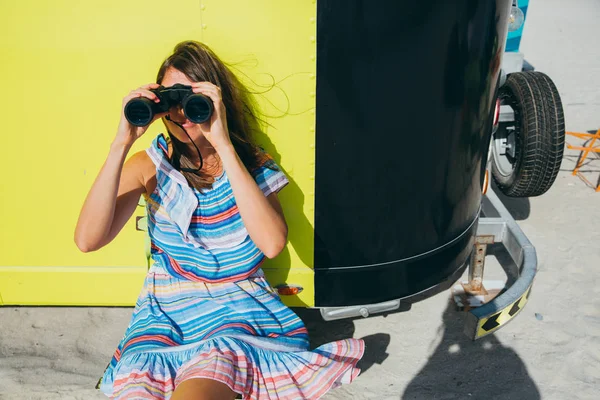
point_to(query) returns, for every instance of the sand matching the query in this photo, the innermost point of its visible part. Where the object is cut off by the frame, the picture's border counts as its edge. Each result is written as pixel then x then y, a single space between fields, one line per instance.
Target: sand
pixel 550 351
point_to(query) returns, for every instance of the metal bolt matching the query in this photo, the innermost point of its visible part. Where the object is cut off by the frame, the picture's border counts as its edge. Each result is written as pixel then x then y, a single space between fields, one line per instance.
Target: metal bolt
pixel 364 312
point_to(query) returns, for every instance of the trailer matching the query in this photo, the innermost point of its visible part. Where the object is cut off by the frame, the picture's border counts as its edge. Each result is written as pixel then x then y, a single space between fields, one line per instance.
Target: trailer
pixel 417 88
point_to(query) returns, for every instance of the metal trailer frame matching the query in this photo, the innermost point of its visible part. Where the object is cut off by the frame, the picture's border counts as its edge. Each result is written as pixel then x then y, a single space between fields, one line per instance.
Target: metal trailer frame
pixel 495 225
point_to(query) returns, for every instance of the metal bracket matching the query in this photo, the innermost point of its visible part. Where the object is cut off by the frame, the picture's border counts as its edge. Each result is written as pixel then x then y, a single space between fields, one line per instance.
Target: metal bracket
pixel 477 264
pixel 498 222
pixel 333 313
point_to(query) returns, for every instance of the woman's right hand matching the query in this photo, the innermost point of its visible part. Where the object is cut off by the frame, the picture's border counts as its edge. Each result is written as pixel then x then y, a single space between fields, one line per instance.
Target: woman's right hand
pixel 127 133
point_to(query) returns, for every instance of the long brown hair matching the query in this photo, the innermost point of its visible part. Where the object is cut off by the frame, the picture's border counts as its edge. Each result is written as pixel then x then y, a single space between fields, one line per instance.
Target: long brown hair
pixel 200 64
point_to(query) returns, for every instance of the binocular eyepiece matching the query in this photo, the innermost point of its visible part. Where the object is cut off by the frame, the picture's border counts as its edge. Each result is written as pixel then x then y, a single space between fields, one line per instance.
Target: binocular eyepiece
pixel 196 107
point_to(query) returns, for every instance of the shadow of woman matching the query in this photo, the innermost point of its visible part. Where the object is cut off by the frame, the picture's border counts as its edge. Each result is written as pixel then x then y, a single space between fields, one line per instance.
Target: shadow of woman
pixel 301 231
pixel 460 368
pixel 321 332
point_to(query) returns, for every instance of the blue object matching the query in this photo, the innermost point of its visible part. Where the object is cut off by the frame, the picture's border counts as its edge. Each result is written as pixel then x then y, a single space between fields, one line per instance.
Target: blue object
pixel 514 38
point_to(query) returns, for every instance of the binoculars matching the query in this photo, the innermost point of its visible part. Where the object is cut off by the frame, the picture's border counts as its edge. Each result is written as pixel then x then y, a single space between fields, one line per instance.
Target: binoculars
pixel 196 107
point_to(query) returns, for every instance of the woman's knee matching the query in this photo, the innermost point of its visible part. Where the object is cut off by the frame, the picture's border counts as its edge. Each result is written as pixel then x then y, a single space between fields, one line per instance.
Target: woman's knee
pixel 203 389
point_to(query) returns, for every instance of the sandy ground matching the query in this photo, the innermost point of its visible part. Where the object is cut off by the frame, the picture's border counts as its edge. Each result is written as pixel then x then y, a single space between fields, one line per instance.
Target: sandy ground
pixel 419 352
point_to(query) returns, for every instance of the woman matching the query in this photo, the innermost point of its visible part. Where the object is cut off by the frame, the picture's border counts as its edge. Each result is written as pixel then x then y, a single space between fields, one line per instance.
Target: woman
pixel 206 325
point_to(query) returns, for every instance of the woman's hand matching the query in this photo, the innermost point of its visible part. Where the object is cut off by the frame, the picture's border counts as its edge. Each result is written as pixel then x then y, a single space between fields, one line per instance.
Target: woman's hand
pixel 215 130
pixel 127 133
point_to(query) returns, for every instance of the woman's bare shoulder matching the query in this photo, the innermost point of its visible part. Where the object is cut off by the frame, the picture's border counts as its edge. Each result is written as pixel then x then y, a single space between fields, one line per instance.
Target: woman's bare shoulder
pixel 142 166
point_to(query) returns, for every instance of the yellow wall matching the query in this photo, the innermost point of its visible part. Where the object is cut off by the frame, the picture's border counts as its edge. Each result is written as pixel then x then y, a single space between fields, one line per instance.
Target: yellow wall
pixel 67 65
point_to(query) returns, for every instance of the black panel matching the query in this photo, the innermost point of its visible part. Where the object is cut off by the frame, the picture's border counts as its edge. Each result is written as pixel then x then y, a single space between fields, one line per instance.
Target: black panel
pixel 405 94
pixel 375 284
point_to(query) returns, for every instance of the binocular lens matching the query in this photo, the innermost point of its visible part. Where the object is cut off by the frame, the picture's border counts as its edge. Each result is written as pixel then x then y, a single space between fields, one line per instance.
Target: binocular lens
pixel 198 108
pixel 139 112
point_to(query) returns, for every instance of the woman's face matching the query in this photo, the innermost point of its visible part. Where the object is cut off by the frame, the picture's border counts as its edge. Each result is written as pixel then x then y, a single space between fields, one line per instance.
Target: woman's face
pixel 173 76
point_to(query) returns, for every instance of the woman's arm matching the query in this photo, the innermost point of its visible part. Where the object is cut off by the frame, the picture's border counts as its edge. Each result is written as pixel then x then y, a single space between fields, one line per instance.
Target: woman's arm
pixel 262 216
pixel 116 191
pixel 111 201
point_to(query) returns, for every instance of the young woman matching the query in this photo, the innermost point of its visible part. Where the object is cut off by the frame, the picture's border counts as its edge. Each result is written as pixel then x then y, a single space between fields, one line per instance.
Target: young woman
pixel 206 325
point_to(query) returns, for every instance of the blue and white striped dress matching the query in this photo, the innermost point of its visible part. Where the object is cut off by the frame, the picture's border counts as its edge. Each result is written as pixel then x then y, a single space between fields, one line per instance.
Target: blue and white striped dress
pixel 206 310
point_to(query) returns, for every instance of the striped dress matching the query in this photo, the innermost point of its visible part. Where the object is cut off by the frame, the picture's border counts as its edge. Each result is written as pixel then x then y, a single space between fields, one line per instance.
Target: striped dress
pixel 206 310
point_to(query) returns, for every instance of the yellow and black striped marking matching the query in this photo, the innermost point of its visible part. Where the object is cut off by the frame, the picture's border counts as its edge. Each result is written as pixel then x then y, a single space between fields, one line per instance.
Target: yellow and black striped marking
pixel 495 321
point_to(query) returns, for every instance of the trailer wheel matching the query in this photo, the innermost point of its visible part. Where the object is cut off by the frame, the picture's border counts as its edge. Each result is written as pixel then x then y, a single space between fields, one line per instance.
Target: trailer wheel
pixel 527 150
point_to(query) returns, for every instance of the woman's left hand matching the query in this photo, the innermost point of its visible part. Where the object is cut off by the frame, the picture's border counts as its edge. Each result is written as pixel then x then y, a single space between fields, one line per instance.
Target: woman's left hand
pixel 215 130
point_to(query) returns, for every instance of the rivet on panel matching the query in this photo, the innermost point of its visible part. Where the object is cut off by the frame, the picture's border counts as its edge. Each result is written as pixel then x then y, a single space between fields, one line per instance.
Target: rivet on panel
pixel 312 111
pixel 312 76
pixel 311 129
pixel 312 178
pixel 312 94
pixel 312 39
pixel 203 7
pixel 312 20
pixel 203 26
pixel 312 58
pixel 312 146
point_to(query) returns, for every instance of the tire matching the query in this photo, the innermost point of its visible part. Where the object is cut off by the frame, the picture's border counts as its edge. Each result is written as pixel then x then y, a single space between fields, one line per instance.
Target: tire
pixel 536 137
pixel 555 124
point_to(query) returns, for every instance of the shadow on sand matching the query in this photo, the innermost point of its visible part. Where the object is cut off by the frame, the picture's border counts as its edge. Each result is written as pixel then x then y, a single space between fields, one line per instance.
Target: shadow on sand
pixel 458 367
pixel 463 369
pixel 322 332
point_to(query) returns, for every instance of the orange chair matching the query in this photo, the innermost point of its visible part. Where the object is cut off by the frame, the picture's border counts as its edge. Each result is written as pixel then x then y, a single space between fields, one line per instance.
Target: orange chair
pixel 585 150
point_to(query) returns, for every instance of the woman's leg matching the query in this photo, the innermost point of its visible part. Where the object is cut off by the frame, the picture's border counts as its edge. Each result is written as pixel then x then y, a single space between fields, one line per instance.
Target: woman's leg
pixel 202 389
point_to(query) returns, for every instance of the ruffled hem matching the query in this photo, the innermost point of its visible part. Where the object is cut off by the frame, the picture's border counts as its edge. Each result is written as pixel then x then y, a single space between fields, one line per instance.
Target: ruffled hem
pixel 252 370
